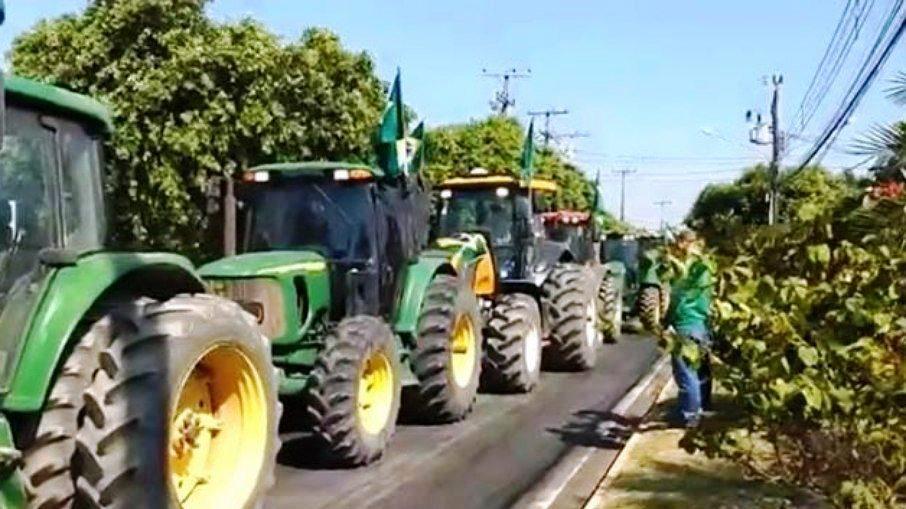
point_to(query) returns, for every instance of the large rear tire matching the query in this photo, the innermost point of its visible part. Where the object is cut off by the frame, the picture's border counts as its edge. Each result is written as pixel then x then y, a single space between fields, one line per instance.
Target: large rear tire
pixel 512 359
pixel 48 454
pixel 572 318
pixel 355 399
pixel 447 355
pixel 650 305
pixel 182 411
pixel 610 309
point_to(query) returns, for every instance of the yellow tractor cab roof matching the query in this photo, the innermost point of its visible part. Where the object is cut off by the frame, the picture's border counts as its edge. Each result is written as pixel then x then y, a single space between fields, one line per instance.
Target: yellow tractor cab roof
pixel 477 181
pixel 319 169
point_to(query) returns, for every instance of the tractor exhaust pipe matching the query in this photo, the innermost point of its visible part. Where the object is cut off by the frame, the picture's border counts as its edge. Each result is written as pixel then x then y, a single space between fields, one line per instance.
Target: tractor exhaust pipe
pixel 229 218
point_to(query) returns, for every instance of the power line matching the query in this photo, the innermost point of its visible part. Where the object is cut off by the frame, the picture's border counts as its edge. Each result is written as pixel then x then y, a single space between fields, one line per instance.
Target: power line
pixel 822 91
pixel 827 51
pixel 862 82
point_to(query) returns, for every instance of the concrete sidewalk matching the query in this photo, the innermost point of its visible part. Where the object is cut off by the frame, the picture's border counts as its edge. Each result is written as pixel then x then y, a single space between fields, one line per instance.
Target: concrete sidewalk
pixel 654 472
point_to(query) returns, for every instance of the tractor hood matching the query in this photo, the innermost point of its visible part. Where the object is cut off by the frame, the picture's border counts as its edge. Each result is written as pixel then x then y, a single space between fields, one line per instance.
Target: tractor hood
pixel 264 264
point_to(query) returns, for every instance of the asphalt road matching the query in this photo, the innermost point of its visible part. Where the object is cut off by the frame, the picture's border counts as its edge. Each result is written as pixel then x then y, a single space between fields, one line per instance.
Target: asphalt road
pixel 486 461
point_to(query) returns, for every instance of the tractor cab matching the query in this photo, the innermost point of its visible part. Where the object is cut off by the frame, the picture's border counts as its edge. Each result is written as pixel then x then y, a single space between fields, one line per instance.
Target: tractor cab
pixel 362 227
pixel 51 207
pixel 502 209
pixel 574 228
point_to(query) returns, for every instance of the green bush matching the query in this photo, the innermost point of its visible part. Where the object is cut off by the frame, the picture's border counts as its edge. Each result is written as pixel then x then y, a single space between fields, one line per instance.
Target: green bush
pixel 811 325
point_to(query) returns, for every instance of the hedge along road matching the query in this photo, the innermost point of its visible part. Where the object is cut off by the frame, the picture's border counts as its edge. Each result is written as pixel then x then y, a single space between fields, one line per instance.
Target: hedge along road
pixel 486 461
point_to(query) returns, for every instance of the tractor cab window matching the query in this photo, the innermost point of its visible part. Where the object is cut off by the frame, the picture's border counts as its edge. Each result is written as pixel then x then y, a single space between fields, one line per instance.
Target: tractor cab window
pixel 82 203
pixel 319 215
pixel 487 210
pixel 27 214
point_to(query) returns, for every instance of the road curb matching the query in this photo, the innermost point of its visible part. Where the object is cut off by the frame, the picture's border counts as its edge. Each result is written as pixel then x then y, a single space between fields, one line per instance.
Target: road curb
pixel 574 478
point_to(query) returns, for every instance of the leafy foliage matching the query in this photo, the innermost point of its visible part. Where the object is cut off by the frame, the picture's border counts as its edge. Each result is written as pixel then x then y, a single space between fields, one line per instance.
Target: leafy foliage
pixel 193 99
pixel 811 321
pixel 723 211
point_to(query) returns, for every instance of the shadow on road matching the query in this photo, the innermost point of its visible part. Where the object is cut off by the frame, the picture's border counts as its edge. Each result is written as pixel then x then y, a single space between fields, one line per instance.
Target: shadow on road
pixel 608 430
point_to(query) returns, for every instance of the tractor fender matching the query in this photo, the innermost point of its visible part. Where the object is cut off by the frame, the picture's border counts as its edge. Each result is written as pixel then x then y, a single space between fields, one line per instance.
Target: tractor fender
pixel 417 276
pixel 68 297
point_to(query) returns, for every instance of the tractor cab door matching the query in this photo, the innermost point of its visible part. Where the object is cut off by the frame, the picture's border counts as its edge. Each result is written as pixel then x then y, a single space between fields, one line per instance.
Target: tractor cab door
pixel 50 208
pixel 396 228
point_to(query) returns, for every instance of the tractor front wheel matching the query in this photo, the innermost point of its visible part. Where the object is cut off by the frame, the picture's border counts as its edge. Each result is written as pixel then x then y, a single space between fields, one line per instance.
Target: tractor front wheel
pixel 610 309
pixel 182 410
pixel 572 315
pixel 447 354
pixel 355 399
pixel 512 360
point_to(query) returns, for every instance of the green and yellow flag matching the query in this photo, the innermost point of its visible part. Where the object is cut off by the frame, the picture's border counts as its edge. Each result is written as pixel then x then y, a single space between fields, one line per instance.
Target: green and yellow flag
pixel 391 135
pixel 528 153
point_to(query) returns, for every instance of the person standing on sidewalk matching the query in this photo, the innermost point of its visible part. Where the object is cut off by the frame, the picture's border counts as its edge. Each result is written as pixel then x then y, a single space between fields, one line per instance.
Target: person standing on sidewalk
pixel 687 321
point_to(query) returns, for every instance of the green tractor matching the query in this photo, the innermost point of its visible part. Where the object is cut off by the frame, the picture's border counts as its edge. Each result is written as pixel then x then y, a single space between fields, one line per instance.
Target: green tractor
pixel 334 261
pixel 121 381
pixel 577 230
pixel 543 289
pixel 645 295
pixel 332 264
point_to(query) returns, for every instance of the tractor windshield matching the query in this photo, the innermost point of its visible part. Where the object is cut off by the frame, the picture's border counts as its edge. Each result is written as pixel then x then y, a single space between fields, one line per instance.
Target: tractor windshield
pixel 324 216
pixel 491 211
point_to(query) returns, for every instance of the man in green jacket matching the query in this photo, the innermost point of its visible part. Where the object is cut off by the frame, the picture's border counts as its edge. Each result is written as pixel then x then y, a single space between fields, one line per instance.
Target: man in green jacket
pixel 691 284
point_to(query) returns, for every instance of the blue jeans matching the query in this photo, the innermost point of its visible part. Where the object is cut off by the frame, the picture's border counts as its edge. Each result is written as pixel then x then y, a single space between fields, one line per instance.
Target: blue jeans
pixel 694 383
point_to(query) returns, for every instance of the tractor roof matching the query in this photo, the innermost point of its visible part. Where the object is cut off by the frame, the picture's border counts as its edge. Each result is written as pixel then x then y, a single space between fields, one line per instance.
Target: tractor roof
pixel 497 181
pixel 314 168
pixel 58 100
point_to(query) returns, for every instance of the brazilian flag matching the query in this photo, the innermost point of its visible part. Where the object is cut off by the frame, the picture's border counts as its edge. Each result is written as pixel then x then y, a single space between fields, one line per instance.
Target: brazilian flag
pixel 391 136
pixel 528 153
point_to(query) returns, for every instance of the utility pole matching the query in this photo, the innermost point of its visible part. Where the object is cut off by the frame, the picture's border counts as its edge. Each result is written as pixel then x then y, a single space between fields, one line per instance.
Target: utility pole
pixel 662 204
pixel 623 174
pixel 547 114
pixel 503 100
pixel 777 142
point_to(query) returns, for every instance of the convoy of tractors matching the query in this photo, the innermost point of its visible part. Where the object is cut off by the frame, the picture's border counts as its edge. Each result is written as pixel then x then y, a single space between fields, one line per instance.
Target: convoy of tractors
pixel 136 376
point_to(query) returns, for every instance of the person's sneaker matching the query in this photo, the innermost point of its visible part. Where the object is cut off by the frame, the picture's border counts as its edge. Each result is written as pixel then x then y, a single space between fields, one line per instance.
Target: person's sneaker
pixel 692 423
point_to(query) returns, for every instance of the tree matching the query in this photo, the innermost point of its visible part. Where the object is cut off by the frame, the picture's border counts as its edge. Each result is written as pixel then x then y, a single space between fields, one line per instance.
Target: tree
pixel 495 143
pixel 193 99
pixel 723 209
pixel 887 144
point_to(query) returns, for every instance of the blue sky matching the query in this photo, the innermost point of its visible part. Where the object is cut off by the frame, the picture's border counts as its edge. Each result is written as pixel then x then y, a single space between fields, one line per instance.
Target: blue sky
pixel 643 78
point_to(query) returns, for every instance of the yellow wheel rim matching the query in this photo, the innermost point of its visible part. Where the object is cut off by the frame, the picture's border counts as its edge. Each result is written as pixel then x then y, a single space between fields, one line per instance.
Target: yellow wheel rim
pixel 218 431
pixel 376 394
pixel 462 350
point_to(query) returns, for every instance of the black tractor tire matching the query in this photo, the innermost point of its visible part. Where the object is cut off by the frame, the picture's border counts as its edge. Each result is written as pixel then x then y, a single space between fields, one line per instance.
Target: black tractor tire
pixel 48 453
pixel 513 345
pixel 149 353
pixel 610 309
pixel 440 397
pixel 335 391
pixel 665 300
pixel 570 310
pixel 650 305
